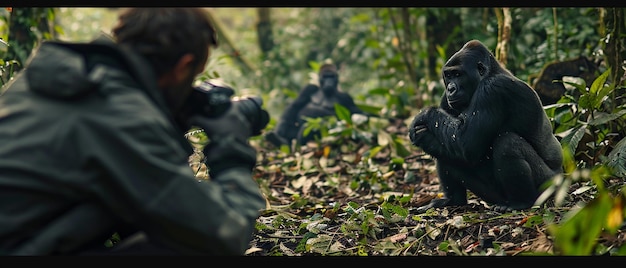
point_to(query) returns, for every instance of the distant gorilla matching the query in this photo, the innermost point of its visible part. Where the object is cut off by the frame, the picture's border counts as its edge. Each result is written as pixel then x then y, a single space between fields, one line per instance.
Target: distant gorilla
pixel 490 134
pixel 312 102
pixel 550 91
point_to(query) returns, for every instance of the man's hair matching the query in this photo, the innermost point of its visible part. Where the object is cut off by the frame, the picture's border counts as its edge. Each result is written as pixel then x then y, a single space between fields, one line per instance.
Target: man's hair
pixel 163 35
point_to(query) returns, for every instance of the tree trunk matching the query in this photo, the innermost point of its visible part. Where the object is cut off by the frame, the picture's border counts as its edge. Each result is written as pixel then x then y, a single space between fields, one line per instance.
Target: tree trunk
pixel 504 34
pixel 439 27
pixel 614 23
pixel 264 30
pixel 224 40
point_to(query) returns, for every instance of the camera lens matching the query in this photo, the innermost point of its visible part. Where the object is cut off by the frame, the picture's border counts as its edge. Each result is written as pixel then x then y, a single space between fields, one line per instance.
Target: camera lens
pixel 212 99
pixel 250 107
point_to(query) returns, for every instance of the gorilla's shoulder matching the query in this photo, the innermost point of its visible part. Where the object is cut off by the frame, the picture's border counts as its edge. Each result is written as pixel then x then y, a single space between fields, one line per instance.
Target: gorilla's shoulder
pixel 343 95
pixel 309 89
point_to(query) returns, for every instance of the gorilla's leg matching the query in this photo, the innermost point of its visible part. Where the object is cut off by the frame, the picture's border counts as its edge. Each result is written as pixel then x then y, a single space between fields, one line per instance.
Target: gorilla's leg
pixel 312 135
pixel 451 182
pixel 456 178
pixel 519 171
pixel 275 139
pixel 451 179
pixel 283 134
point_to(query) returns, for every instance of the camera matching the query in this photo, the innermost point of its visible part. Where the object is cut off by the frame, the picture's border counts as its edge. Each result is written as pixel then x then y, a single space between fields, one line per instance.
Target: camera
pixel 212 98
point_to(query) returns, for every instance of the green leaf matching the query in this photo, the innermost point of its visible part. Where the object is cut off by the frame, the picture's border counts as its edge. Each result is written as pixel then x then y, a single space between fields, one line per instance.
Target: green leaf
pixel 378 91
pixel 617 159
pixel 400 149
pixel 604 91
pixel 582 88
pixel 573 137
pixel 343 113
pixel 601 118
pixel 599 82
pixel 585 101
pixel 374 151
pixel 578 233
pixel 444 246
pixel 315 66
pixel 598 90
pixel 533 221
pixel 370 109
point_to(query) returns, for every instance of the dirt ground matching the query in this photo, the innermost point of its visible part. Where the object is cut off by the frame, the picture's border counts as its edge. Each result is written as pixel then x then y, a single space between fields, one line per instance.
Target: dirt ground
pixel 325 210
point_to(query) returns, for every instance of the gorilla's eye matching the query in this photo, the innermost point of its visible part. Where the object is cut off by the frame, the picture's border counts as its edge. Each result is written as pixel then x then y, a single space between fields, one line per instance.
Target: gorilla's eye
pixel 451 74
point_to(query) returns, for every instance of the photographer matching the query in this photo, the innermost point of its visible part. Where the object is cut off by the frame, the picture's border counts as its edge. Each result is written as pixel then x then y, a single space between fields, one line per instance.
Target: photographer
pixel 92 144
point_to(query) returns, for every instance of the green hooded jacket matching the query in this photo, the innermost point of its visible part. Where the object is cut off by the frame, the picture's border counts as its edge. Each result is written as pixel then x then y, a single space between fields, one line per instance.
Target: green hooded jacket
pixel 89 148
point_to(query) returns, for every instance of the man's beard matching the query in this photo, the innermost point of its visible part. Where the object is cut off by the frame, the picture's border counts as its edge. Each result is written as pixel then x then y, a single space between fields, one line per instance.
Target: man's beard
pixel 176 98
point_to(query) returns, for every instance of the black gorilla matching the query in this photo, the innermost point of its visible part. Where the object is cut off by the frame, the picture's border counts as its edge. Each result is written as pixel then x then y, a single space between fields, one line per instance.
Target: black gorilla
pixel 313 101
pixel 490 134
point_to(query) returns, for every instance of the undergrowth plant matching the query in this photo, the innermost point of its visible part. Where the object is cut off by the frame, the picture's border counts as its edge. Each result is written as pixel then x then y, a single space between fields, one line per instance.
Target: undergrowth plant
pixel 591 124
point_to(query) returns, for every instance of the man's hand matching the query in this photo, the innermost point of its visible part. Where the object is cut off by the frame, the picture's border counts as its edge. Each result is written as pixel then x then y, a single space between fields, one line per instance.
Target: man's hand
pixel 231 123
pixel 228 147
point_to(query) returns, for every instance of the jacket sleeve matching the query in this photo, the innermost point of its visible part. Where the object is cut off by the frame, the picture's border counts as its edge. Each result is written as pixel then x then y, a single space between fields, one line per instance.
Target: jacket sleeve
pixel 147 181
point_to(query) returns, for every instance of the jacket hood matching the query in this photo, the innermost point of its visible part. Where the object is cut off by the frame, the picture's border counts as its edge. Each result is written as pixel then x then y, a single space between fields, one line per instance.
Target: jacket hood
pixel 66 70
pixel 58 71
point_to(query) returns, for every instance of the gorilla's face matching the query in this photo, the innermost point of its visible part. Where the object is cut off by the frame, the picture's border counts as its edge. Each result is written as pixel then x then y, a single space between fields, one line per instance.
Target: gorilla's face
pixel 459 87
pixel 461 75
pixel 329 82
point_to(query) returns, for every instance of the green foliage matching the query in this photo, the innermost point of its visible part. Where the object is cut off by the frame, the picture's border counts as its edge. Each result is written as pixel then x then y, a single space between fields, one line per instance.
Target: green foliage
pixel 114 239
pixel 597 93
pixel 81 24
pixel 343 113
pixel 396 103
pixel 23 29
pixel 581 227
pixel 590 122
pixel 617 159
pixel 549 34
pixel 394 213
pixel 596 118
pixel 337 127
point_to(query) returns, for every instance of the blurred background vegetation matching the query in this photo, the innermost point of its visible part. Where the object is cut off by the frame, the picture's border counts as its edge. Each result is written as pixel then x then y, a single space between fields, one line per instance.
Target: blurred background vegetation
pixel 390 59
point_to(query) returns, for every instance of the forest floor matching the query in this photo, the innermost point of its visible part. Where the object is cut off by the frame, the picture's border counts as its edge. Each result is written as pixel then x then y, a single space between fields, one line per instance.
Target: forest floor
pixel 334 199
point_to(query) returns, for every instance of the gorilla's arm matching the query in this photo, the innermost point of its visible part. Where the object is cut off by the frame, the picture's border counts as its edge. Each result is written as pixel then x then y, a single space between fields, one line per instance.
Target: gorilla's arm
pixel 446 107
pixel 467 137
pixel 289 118
pixel 347 101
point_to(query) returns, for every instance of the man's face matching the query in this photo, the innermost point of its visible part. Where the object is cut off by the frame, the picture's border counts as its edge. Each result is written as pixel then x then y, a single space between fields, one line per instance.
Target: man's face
pixel 178 91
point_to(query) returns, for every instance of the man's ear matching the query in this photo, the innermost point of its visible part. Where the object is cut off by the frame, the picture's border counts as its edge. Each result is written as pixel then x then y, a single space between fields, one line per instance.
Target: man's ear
pixel 183 67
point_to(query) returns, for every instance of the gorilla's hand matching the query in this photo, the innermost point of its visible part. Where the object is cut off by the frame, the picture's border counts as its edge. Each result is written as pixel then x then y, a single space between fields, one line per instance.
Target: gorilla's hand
pixel 418 130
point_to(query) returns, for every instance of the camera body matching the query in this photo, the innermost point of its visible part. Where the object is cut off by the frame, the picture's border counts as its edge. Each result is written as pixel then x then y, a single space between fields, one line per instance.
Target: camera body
pixel 212 98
